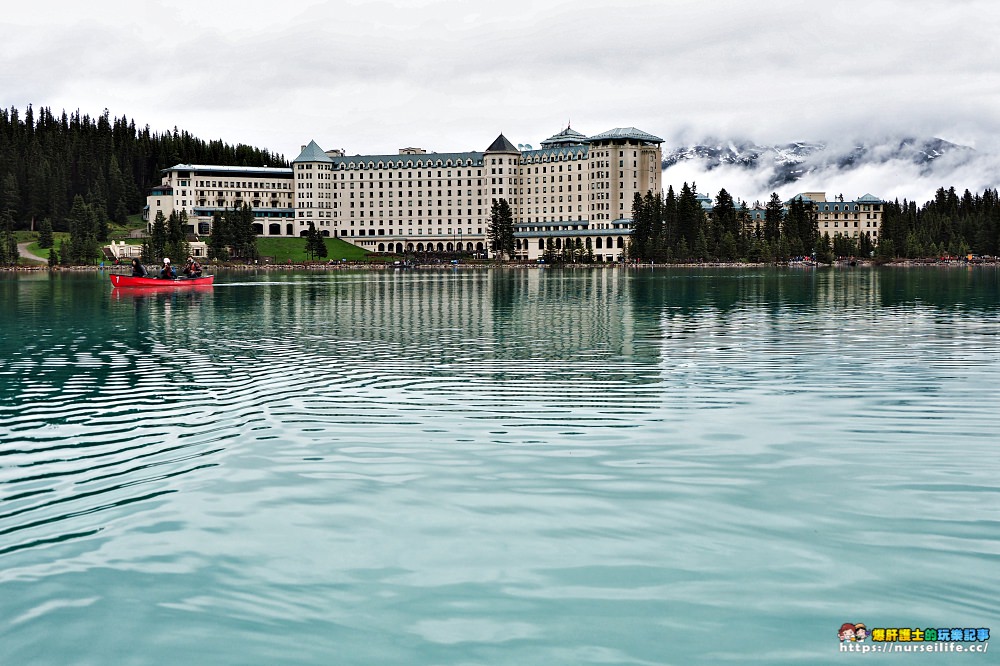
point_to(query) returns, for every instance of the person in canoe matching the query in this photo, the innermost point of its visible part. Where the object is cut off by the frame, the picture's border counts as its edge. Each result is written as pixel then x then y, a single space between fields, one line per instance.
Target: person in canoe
pixel 138 270
pixel 192 269
pixel 167 272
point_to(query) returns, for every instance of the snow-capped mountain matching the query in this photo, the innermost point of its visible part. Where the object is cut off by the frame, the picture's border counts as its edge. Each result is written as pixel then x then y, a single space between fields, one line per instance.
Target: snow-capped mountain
pixel 787 163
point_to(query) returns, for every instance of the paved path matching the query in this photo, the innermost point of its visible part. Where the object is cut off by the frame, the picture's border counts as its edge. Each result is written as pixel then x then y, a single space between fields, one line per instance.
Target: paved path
pixel 22 249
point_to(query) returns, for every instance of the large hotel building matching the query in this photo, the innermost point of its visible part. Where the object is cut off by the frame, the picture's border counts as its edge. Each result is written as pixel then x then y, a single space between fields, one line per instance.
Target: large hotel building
pixel 572 188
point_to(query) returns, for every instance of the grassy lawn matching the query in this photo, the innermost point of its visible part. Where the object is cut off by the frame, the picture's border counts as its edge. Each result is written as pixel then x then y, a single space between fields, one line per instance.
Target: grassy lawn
pixel 294 249
pixel 57 237
pixel 282 250
pixel 31 237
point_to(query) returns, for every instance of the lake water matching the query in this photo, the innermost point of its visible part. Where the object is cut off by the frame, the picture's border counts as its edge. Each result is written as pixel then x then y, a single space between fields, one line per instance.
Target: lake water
pixel 497 467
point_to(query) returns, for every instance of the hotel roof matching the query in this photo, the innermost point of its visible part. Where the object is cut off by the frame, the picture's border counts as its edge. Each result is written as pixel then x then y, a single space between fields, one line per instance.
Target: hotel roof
pixel 825 205
pixel 568 136
pixel 502 145
pixel 625 133
pixel 258 171
pixel 312 153
pixel 418 160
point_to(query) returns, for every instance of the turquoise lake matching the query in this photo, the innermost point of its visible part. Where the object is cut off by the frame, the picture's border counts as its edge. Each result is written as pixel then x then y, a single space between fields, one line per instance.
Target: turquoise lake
pixel 541 466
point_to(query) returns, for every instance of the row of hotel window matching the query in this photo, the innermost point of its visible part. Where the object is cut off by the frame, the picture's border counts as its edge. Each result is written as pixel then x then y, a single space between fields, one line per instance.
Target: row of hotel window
pixel 306 189
pixel 479 211
pixel 519 171
pixel 533 159
pixel 514 192
pixel 601 175
pixel 238 184
pixel 529 219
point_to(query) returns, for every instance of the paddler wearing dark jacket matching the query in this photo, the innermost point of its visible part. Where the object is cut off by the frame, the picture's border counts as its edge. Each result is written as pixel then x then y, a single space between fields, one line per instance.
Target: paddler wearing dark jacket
pixel 138 270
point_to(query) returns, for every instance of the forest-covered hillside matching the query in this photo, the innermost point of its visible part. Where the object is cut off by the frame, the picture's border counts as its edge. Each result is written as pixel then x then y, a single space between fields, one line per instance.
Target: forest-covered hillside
pixel 47 159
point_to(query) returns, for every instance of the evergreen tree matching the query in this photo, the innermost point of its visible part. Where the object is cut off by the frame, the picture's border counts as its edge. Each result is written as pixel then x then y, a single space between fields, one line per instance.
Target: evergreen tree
pixel 549 256
pixel 642 229
pixel 744 233
pixel 158 238
pixel 700 244
pixel 176 245
pixel 10 196
pixel 724 221
pixel 9 253
pixel 774 215
pixel 727 247
pixel 824 250
pixel 321 249
pixel 53 258
pixel 101 227
pixel 865 246
pixel 501 229
pixel 313 241
pixel 799 230
pixel 690 216
pixel 240 223
pixel 668 229
pixel 83 241
pixel 221 238
pixel 683 252
pixel 45 238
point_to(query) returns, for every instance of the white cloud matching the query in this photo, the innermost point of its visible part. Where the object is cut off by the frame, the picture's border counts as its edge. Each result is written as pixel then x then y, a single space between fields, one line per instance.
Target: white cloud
pixel 449 75
pixel 881 172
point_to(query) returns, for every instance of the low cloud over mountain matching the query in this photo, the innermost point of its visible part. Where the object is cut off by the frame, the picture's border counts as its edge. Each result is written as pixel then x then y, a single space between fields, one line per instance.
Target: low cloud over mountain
pixel 890 168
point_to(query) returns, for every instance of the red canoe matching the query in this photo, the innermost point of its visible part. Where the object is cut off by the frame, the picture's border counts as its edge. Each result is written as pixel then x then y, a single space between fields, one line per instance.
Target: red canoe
pixel 129 281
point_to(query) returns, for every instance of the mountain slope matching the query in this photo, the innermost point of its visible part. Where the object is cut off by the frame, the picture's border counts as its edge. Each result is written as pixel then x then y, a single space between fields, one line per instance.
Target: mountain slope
pixel 786 163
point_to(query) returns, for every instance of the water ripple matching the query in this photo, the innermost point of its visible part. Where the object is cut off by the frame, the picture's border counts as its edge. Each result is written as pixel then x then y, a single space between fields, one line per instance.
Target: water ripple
pixel 526 467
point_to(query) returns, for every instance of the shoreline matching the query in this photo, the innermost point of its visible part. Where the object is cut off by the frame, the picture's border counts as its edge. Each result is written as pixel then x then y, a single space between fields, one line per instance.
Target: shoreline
pixel 382 266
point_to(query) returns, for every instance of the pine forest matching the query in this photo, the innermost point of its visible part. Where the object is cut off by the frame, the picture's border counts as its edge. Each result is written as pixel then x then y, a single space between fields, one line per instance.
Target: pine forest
pixel 47 160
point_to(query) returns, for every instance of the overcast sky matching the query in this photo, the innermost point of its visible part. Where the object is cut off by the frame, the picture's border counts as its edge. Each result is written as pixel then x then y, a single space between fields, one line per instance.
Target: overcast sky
pixel 447 75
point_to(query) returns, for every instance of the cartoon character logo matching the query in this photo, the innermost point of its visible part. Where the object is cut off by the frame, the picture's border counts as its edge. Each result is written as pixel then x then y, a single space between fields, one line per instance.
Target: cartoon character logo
pixel 860 632
pixel 846 632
